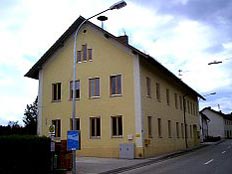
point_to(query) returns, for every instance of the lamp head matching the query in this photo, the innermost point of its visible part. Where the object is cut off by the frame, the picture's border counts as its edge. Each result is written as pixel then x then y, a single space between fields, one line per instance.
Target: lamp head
pixel 118 5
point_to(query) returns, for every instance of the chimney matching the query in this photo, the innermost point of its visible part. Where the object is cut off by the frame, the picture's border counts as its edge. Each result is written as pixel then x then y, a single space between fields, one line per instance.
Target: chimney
pixel 123 39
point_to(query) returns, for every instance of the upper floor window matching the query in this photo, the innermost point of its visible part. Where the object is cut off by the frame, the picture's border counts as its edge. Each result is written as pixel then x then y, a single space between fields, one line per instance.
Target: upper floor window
pixel 57 125
pixel 181 102
pixel 168 96
pixel 115 85
pixel 56 91
pixel 158 91
pixel 94 87
pixel 77 89
pixel 85 54
pixel 148 86
pixel 176 102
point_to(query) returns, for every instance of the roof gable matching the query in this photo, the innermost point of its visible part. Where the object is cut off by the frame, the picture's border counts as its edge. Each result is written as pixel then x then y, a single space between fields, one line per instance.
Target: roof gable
pixel 34 71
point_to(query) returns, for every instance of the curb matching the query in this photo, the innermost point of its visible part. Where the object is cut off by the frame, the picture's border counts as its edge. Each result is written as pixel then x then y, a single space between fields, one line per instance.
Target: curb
pixel 152 161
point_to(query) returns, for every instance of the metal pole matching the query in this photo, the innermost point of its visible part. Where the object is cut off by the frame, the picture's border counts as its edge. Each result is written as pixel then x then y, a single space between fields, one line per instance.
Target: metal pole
pixel 117 5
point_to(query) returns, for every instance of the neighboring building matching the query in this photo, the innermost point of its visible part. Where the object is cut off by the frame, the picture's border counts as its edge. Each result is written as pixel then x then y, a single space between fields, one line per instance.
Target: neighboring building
pixel 220 124
pixel 204 126
pixel 123 96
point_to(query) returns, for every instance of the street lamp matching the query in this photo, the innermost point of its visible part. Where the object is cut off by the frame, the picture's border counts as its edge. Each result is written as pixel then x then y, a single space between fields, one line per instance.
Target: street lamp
pixel 214 62
pixel 117 5
pixel 212 93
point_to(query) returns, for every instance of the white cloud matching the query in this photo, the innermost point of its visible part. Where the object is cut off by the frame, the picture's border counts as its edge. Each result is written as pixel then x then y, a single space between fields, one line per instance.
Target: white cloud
pixel 28 28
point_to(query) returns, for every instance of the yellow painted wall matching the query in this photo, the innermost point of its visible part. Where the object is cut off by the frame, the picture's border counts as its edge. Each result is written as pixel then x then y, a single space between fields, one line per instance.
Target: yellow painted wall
pixel 109 58
pixel 152 107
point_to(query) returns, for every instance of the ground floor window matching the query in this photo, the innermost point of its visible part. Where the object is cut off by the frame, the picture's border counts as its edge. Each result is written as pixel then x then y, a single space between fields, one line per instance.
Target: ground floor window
pixel 116 125
pixel 77 123
pixel 57 125
pixel 95 127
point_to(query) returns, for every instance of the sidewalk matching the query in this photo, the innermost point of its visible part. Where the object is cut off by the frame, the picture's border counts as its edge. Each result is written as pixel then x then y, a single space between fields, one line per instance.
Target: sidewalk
pixel 94 165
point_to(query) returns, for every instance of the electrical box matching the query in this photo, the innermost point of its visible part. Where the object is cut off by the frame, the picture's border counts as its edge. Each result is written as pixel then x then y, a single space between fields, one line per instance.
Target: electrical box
pixel 127 151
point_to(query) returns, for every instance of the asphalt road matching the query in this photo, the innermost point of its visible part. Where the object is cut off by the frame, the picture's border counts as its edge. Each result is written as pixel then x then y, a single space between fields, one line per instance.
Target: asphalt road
pixel 214 159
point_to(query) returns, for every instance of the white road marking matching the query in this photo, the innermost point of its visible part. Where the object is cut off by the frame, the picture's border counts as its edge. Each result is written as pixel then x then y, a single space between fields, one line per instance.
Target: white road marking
pixel 223 152
pixel 208 162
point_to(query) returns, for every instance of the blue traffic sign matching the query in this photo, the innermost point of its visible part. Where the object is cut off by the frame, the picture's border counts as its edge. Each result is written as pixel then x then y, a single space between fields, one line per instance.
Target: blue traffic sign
pixel 73 142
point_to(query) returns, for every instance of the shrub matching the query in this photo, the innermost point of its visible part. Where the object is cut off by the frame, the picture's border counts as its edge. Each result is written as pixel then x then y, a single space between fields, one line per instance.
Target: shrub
pixel 24 154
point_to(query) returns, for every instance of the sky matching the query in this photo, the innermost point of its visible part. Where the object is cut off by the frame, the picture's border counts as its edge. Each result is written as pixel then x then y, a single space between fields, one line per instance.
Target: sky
pixel 181 34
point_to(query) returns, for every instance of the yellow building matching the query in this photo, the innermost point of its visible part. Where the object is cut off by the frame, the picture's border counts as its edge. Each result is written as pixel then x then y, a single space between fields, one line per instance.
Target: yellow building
pixel 123 96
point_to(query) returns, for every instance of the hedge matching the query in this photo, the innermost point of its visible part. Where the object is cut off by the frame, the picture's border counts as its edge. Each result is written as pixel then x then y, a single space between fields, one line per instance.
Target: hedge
pixel 24 154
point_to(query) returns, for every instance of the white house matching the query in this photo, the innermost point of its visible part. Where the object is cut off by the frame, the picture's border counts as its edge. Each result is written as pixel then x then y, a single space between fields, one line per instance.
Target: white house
pixel 203 126
pixel 220 124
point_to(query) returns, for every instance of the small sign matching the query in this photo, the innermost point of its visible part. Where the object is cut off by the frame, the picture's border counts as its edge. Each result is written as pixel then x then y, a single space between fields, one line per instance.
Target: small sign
pixel 52 129
pixel 73 140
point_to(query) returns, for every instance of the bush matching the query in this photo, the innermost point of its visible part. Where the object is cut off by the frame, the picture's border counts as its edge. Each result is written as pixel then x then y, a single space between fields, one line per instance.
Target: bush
pixel 212 139
pixel 25 154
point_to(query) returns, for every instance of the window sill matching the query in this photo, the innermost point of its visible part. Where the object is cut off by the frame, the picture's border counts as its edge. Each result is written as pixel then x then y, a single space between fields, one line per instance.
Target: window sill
pixel 148 96
pixel 76 99
pixel 117 136
pixel 95 138
pixel 56 101
pixel 94 97
pixel 116 95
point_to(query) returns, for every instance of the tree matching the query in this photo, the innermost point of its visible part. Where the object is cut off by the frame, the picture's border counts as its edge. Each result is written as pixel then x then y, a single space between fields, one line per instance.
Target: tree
pixel 30 117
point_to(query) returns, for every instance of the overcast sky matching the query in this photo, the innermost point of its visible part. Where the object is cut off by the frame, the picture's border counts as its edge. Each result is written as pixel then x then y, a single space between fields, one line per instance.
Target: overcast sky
pixel 181 34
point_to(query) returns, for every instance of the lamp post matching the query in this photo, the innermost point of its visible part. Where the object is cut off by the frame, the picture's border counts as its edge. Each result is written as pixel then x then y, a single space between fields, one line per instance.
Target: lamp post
pixel 117 5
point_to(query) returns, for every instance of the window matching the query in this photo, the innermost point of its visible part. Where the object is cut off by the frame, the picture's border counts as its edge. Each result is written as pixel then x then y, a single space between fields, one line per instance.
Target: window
pixel 94 87
pixel 191 133
pixel 167 97
pixel 84 52
pixel 90 54
pixel 177 130
pixel 115 85
pixel 148 85
pixel 158 92
pixel 149 126
pixel 169 129
pixel 95 127
pixel 176 102
pixel 191 108
pixel 56 91
pixel 77 123
pixel 159 128
pixel 77 89
pixel 181 102
pixel 116 125
pixel 188 107
pixel 56 123
pixel 186 129
pixel 182 130
pixel 79 56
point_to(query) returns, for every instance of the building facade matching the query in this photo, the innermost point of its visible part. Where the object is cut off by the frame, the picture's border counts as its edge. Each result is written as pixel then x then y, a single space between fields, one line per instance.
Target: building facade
pixel 220 124
pixel 204 121
pixel 123 96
